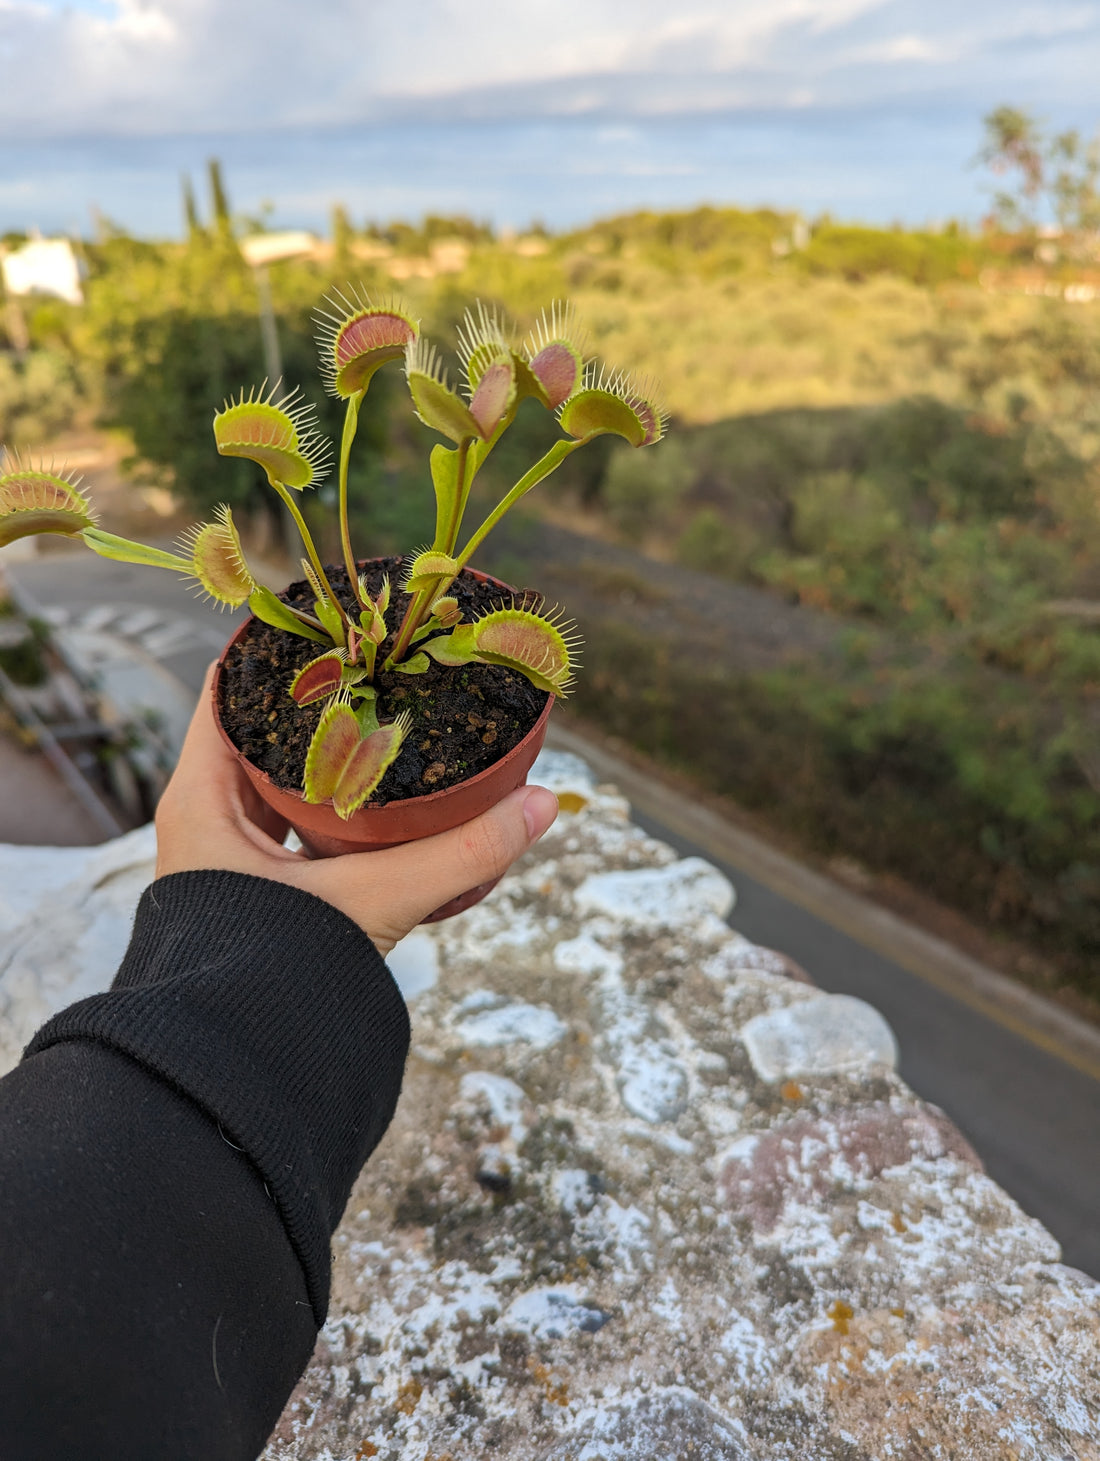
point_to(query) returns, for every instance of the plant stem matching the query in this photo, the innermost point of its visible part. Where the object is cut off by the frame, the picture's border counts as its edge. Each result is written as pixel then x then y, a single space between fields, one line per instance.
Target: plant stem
pixel 307 541
pixel 542 468
pixel 462 491
pixel 108 545
pixel 305 618
pixel 409 624
pixel 351 422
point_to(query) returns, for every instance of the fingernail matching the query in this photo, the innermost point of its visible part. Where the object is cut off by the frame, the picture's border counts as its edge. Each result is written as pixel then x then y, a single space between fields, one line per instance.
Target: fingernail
pixel 540 807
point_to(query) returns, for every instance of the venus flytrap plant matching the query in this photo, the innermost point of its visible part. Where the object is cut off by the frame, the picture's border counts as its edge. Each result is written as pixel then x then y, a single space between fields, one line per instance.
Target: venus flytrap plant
pixel 350 750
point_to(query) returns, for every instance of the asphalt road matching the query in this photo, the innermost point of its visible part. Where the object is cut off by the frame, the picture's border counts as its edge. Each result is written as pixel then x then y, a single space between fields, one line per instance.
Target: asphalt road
pixel 154 610
pixel 1030 1108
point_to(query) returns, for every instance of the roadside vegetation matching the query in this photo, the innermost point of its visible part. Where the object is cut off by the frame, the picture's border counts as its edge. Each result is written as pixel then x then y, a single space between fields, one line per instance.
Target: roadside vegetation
pixel 899 430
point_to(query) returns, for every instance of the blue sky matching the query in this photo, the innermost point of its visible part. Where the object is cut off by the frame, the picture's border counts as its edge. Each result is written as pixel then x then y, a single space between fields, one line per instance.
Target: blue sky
pixel 90 7
pixel 865 107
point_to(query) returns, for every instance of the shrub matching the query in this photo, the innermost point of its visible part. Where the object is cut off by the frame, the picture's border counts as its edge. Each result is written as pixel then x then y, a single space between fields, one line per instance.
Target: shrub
pixel 715 545
pixel 643 492
pixel 968 789
pixel 38 397
pixel 923 258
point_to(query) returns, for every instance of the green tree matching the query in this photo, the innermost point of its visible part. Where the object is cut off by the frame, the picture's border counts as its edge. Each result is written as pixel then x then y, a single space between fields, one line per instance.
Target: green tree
pixel 1074 175
pixel 219 199
pixel 1057 174
pixel 1015 149
pixel 342 234
pixel 190 209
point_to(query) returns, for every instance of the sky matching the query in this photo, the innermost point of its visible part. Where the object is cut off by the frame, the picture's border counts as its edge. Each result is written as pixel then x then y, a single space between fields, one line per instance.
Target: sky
pixel 865 108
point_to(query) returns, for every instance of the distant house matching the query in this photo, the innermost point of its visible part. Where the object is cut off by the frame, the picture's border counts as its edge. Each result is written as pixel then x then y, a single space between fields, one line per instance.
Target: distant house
pixel 268 248
pixel 43 266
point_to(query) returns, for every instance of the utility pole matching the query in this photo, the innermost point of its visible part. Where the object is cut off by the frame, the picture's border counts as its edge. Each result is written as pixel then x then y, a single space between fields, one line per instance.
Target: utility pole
pixel 269 333
pixel 258 251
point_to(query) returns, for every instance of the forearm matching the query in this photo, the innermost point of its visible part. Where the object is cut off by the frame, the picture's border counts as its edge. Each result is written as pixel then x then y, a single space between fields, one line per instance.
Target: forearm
pixel 152 1304
pixel 162 1287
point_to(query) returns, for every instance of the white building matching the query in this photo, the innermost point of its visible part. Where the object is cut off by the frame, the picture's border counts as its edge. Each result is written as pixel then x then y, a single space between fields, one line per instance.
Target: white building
pixel 43 266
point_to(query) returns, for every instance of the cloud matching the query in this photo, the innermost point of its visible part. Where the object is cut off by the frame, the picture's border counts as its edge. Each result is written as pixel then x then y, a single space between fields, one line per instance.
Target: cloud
pixel 163 67
pixel 906 48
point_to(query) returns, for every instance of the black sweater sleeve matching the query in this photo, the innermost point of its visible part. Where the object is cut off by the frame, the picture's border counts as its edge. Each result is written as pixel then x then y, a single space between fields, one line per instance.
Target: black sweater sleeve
pixel 174 1156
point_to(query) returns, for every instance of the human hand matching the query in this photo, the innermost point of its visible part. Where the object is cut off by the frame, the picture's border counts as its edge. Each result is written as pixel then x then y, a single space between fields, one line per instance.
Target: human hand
pixel 211 817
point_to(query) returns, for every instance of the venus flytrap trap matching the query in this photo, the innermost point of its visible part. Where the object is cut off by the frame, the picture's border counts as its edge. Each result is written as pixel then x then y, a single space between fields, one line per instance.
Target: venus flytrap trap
pixel 364 642
pixel 350 754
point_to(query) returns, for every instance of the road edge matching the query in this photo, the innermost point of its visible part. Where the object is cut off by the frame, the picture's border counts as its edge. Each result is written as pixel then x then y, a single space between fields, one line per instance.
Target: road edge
pixel 988 991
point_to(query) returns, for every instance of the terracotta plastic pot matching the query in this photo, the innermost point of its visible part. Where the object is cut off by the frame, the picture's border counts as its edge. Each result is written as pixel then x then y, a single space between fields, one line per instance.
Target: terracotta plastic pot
pixel 324 834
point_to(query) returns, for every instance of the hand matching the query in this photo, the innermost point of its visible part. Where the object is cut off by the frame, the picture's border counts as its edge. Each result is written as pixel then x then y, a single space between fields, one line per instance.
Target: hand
pixel 210 817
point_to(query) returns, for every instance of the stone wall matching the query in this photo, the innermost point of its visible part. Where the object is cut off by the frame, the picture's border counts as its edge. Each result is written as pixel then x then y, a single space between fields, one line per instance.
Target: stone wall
pixel 646 1194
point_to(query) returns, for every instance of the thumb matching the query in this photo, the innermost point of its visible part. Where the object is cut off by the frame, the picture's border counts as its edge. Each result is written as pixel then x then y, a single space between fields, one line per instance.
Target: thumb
pixel 409 882
pixel 450 863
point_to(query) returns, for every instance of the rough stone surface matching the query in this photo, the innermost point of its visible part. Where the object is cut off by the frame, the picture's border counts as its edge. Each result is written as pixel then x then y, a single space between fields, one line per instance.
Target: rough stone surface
pixel 644 1196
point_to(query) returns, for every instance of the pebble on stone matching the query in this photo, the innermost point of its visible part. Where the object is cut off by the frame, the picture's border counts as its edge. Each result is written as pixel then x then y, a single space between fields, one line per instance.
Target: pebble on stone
pixel 831 1034
pixel 502 1097
pixel 669 1425
pixel 505 1024
pixel 583 955
pixel 553 1314
pixel 809 1157
pixel 651 1085
pixel 652 898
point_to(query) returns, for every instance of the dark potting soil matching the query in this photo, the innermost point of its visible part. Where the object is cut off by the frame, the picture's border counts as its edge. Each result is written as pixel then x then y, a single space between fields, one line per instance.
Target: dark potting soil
pixel 463 719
